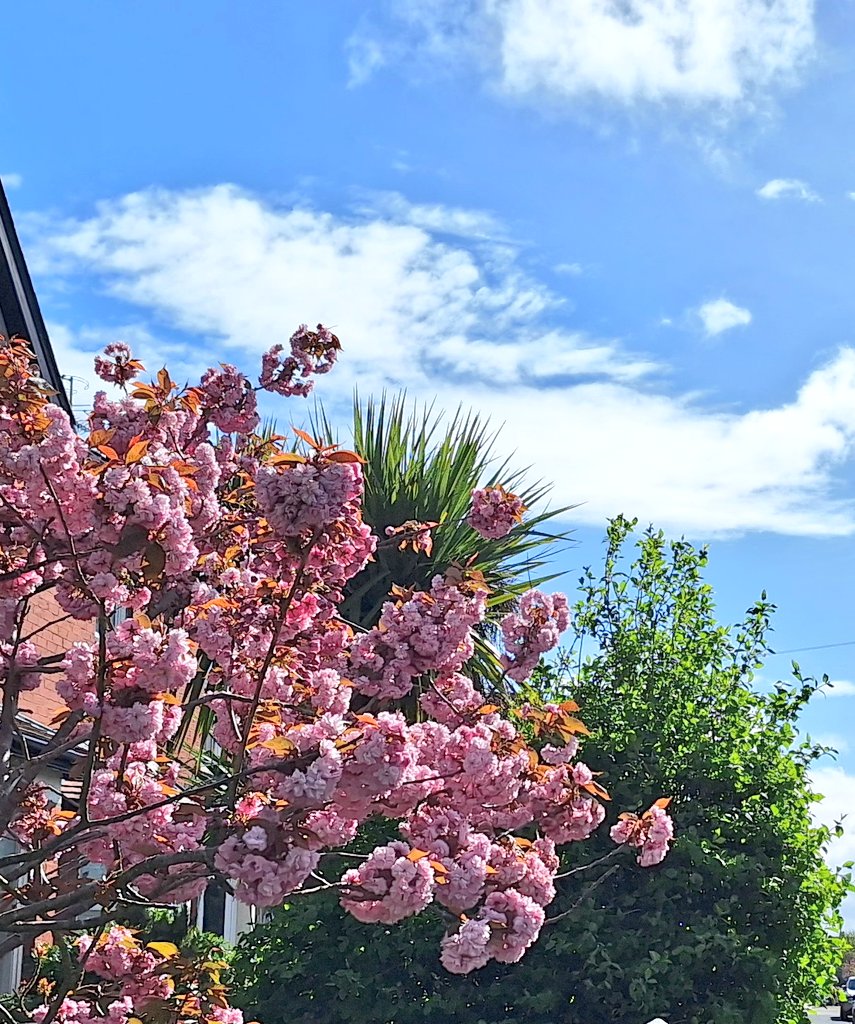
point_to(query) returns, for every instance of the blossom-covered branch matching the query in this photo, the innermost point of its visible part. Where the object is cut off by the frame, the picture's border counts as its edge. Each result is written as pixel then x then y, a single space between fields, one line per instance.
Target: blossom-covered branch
pixel 211 562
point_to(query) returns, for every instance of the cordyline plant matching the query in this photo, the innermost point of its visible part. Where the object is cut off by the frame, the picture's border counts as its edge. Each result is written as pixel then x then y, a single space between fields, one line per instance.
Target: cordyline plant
pixel 211 563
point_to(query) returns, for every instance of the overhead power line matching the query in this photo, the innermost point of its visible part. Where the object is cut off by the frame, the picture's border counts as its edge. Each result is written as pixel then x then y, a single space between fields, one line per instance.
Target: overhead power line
pixel 818 647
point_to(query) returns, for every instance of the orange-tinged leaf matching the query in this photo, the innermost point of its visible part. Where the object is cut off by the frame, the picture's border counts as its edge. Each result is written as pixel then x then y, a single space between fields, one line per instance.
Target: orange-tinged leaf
pixel 575 725
pixel 597 790
pixel 416 855
pixel 142 620
pixel 569 705
pixel 344 456
pixel 166 949
pixel 278 745
pixel 664 802
pixel 136 451
pixel 438 867
pixel 306 437
pixel 286 457
pixel 488 709
pixel 164 380
pixel 109 452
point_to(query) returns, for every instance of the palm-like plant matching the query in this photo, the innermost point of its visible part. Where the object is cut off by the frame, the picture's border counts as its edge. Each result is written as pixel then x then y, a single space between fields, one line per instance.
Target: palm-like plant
pixel 419 467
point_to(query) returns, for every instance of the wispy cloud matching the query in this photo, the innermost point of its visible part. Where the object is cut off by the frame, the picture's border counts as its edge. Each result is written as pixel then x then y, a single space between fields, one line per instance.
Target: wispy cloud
pixel 695 52
pixel 464 319
pixel 365 56
pixel 12 180
pixel 840 688
pixel 437 218
pixel 572 269
pixel 721 315
pixel 788 188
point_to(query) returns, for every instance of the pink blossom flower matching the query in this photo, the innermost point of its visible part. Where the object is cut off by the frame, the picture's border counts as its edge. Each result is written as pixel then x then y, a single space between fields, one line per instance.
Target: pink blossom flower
pixel 495 512
pixel 117 365
pixel 388 886
pixel 532 631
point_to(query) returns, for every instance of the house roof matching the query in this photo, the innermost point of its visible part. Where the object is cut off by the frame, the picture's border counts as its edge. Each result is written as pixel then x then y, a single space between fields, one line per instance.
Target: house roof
pixel 19 308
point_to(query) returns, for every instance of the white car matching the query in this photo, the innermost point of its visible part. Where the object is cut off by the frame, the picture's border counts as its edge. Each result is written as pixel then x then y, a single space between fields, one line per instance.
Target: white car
pixel 847 1008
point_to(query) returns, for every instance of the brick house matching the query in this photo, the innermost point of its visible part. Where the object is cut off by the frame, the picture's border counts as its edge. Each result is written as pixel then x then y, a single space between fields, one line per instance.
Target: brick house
pixel 20 314
pixel 54 631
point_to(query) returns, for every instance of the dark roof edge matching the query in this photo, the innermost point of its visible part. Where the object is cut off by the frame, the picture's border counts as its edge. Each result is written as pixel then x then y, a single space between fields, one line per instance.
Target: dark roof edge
pixel 19 306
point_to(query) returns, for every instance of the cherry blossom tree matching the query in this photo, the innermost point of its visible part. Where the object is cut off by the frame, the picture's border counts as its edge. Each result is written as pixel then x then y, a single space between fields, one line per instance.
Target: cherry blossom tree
pixel 210 562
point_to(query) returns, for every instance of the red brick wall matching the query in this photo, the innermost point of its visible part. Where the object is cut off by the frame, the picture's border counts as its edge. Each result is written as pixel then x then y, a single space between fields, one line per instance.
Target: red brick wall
pixel 58 634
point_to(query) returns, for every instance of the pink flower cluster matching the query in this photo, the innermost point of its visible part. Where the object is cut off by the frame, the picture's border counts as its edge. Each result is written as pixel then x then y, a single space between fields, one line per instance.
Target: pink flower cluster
pixel 84 1011
pixel 168 827
pixel 311 352
pixel 532 631
pixel 651 834
pixel 118 956
pixel 229 399
pixel 503 929
pixel 144 667
pixel 388 886
pixel 117 365
pixel 495 512
pixel 305 497
pixel 20 665
pixel 429 632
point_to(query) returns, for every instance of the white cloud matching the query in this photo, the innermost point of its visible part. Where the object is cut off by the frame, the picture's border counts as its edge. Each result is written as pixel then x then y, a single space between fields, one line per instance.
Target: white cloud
pixel 541 358
pixel 463 320
pixel 837 788
pixel 696 51
pixel 434 217
pixel 573 269
pixel 788 188
pixel 365 56
pixel 12 180
pixel 840 688
pixel 721 315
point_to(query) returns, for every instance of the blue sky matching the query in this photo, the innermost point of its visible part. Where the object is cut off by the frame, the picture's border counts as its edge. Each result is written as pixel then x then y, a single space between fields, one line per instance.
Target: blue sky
pixel 625 230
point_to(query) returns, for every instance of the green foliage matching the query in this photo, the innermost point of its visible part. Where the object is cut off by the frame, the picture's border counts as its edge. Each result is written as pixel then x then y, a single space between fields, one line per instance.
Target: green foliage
pixel 734 927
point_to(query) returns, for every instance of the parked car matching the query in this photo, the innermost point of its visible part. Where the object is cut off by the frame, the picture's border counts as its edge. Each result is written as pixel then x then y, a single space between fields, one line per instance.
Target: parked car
pixel 846 1009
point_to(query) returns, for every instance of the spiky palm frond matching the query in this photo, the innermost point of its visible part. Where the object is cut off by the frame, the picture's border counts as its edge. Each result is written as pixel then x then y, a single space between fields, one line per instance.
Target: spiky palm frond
pixel 422 467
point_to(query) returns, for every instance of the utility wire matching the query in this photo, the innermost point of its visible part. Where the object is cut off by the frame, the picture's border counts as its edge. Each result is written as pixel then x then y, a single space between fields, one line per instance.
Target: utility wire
pixel 819 647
